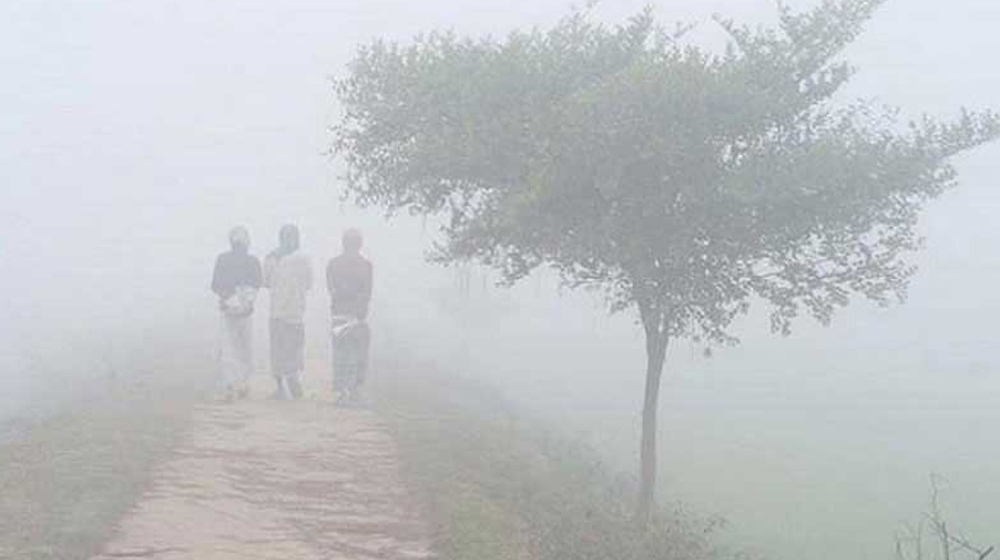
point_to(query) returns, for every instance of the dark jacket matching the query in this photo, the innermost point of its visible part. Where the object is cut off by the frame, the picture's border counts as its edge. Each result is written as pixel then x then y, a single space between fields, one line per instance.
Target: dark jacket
pixel 349 280
pixel 234 269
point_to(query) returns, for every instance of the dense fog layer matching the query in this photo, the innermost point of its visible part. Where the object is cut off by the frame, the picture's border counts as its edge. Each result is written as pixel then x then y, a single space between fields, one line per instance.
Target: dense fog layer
pixel 136 133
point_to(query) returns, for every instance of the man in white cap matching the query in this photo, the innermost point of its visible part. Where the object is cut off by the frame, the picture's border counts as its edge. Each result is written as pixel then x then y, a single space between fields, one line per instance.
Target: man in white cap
pixel 235 280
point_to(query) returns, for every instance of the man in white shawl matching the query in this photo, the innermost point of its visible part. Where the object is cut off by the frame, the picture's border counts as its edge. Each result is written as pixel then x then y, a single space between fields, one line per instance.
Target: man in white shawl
pixel 288 275
pixel 235 280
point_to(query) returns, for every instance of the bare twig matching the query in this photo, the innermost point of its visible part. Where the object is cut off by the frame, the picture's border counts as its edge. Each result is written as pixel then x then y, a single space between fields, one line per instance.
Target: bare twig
pixel 910 539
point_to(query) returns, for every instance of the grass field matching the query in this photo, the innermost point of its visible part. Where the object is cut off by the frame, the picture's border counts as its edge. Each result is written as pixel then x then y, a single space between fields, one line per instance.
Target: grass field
pixel 66 480
pixel 500 486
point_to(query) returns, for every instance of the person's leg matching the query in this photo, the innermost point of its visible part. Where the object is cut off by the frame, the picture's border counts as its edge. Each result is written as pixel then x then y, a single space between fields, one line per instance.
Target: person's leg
pixel 343 392
pixel 229 357
pixel 294 384
pixel 364 352
pixel 345 377
pixel 277 350
pixel 244 348
pixel 333 364
pixel 353 386
pixel 341 368
pixel 298 335
pixel 281 391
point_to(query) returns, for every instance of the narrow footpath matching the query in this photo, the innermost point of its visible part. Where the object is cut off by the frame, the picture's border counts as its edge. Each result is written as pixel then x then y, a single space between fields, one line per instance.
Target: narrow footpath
pixel 275 480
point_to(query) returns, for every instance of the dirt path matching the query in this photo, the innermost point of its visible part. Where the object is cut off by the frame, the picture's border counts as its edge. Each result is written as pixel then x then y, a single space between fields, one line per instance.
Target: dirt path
pixel 277 481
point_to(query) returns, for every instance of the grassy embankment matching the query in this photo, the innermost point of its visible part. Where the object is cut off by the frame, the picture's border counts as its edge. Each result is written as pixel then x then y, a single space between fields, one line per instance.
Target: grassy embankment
pixel 66 480
pixel 502 487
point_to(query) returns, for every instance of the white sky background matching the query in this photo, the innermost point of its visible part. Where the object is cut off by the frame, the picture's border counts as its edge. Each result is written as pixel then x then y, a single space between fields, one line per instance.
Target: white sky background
pixel 133 134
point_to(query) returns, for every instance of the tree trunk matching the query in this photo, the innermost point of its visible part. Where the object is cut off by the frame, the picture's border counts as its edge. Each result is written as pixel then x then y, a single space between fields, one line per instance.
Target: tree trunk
pixel 656 350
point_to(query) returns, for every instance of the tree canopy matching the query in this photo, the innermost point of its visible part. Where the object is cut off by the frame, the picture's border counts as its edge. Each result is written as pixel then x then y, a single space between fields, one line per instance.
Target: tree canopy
pixel 686 181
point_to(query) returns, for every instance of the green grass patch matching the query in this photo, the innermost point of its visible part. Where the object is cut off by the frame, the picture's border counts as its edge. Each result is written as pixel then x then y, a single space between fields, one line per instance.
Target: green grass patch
pixel 501 486
pixel 67 480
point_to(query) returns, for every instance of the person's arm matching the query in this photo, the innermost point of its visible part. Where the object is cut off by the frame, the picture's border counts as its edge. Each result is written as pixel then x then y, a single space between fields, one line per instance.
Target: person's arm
pixel 256 276
pixel 305 274
pixel 308 272
pixel 217 277
pixel 366 290
pixel 270 263
pixel 329 282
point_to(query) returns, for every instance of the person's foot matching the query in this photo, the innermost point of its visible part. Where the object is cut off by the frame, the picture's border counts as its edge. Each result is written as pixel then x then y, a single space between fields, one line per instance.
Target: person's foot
pixel 281 393
pixel 295 385
pixel 356 399
pixel 357 393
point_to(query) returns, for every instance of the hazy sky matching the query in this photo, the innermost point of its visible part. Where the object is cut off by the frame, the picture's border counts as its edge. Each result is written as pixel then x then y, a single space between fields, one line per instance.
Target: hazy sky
pixel 134 134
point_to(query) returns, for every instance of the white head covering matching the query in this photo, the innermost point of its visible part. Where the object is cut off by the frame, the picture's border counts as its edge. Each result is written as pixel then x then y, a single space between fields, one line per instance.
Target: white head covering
pixel 239 236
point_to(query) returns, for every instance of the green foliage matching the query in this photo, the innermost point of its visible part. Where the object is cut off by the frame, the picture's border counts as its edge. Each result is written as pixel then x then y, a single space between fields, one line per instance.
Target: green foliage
pixel 685 182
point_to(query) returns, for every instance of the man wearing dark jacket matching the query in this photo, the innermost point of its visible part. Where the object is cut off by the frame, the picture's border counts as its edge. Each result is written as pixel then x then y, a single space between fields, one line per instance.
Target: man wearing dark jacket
pixel 349 281
pixel 235 280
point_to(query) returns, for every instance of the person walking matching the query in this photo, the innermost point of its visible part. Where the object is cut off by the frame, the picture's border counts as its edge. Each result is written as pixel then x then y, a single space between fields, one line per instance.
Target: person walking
pixel 236 278
pixel 349 282
pixel 288 274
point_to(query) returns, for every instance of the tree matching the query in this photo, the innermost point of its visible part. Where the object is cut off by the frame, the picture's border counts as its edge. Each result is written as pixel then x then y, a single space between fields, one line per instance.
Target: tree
pixel 684 184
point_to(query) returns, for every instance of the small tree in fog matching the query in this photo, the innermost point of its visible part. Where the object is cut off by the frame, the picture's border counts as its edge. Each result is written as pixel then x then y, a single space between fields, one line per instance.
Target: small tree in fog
pixel 684 184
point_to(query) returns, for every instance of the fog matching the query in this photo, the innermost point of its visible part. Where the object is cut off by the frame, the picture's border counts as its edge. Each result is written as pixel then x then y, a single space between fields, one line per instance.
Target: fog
pixel 135 134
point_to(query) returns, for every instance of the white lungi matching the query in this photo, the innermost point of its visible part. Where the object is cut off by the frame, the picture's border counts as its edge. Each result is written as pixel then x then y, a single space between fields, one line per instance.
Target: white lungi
pixel 235 350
